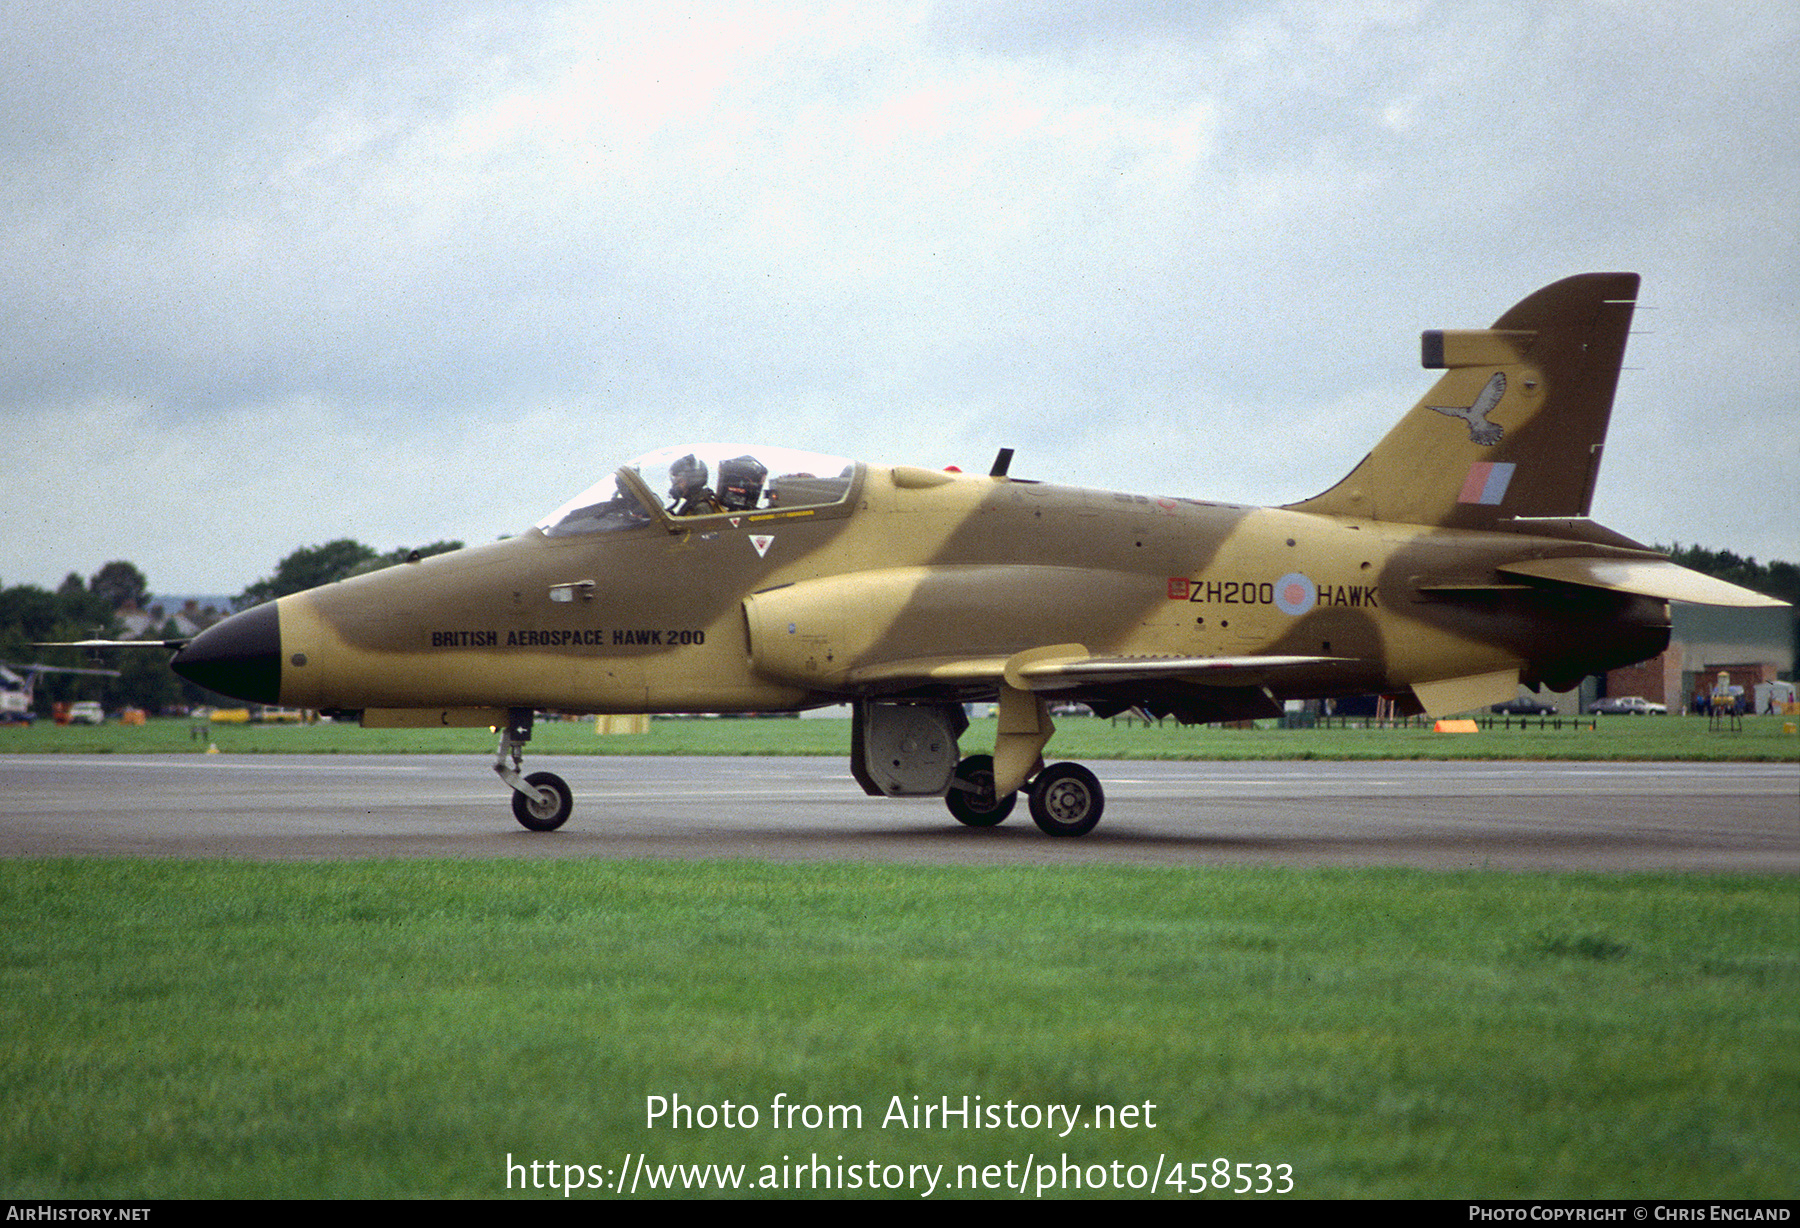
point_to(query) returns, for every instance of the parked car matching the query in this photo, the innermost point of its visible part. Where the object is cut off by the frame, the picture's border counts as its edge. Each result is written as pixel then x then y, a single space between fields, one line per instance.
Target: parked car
pixel 86 712
pixel 1524 705
pixel 1629 705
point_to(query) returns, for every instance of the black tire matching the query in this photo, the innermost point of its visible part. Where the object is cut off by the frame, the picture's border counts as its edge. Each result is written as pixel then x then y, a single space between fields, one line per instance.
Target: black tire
pixel 1066 800
pixel 978 808
pixel 549 814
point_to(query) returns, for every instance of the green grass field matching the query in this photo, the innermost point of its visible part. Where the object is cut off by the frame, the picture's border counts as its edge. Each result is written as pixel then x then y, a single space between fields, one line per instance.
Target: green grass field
pixel 1648 738
pixel 398 1029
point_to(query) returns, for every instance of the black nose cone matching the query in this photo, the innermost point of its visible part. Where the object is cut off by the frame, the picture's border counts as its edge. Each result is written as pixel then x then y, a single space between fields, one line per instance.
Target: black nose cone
pixel 240 656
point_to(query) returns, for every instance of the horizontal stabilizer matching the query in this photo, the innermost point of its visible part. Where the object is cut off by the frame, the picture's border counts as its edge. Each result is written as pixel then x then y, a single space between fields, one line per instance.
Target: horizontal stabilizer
pixel 1644 577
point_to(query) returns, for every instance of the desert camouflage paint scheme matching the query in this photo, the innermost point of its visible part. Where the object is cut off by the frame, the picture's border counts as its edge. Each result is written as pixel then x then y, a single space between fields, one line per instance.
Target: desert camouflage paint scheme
pixel 1454 563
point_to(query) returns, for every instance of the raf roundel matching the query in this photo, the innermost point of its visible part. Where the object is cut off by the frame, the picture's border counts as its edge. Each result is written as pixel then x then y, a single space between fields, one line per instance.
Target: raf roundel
pixel 1295 594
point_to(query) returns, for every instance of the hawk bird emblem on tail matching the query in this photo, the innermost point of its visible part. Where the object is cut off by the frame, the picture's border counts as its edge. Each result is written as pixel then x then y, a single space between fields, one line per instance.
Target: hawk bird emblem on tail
pixel 1481 431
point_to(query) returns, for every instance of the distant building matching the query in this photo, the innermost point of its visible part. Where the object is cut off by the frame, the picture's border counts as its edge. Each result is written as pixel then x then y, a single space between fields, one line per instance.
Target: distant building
pixel 1752 646
pixel 191 617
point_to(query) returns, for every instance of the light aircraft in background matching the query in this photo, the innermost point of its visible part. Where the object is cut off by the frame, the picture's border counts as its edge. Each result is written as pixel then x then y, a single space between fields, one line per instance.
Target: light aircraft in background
pixel 1456 562
pixel 18 687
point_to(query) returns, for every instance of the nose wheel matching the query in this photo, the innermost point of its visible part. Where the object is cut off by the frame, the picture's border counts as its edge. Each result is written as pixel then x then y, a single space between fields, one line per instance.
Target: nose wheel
pixel 547 807
pixel 540 801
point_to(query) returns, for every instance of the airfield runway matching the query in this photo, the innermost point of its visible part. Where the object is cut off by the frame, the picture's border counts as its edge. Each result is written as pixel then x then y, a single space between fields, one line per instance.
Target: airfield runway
pixel 1445 815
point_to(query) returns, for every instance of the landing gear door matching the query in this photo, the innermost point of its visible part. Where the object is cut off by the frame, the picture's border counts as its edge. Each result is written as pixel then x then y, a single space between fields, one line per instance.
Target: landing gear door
pixel 905 750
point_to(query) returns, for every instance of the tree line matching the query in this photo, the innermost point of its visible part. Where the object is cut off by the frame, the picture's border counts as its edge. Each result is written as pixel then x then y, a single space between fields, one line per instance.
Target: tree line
pixel 99 606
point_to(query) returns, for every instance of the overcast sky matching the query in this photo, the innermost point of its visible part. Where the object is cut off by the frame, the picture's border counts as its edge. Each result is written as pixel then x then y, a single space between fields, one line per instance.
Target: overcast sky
pixel 276 273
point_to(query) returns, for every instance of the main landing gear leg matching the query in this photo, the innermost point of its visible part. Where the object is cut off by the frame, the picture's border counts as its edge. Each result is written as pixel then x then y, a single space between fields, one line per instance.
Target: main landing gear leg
pixel 1066 798
pixel 540 801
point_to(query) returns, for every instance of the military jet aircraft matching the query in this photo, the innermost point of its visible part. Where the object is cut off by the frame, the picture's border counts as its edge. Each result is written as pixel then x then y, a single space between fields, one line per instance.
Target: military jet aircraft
pixel 1454 563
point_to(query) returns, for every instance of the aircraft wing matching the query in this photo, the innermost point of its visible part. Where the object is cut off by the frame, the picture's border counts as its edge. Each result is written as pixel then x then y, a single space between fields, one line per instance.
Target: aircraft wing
pixel 1192 689
pixel 1070 667
pixel 1644 577
pixel 1053 673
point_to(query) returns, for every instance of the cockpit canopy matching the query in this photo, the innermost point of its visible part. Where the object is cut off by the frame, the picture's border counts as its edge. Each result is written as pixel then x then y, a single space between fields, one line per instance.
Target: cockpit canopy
pixel 703 480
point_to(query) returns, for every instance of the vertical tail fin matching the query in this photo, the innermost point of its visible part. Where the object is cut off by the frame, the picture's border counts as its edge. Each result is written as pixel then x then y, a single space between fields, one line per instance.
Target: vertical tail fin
pixel 1515 426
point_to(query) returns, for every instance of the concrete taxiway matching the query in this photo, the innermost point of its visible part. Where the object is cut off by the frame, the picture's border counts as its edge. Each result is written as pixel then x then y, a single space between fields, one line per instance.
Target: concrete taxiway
pixel 1446 815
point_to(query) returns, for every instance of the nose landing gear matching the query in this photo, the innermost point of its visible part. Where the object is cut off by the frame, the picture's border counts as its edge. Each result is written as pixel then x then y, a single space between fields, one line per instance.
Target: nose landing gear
pixel 540 801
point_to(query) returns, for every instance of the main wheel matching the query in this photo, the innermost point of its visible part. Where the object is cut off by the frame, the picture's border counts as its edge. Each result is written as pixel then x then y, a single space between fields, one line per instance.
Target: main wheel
pixel 550 810
pixel 977 806
pixel 1066 800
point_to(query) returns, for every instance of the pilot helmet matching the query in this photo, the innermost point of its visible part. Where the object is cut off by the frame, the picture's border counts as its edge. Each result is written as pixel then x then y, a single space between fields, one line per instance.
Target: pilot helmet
pixel 741 482
pixel 688 473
